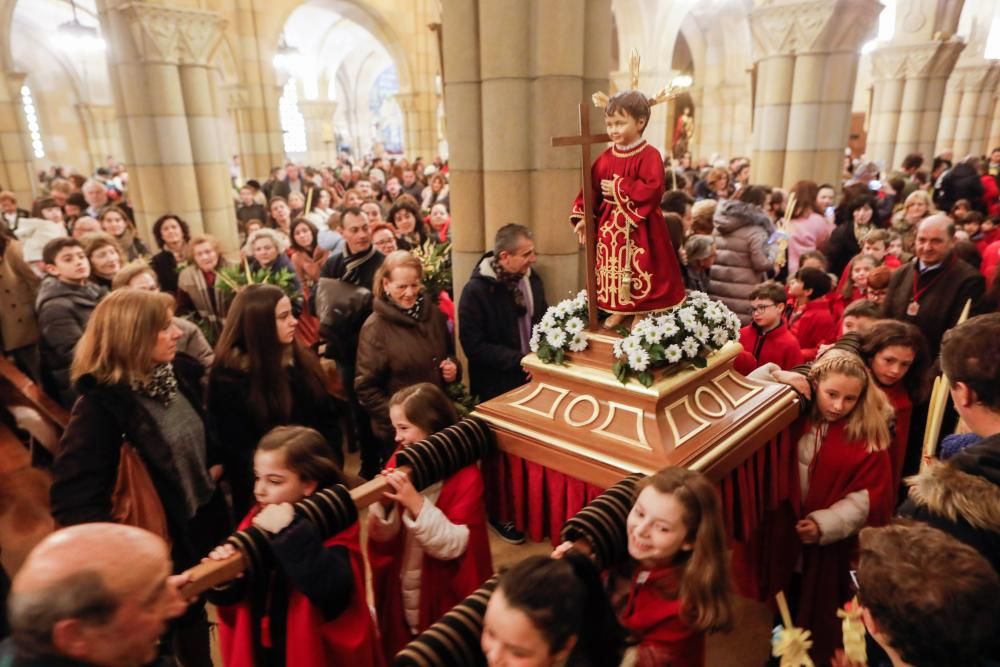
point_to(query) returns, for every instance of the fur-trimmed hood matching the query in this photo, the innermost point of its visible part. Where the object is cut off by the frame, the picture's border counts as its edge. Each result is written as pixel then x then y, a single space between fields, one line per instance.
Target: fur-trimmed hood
pixel 966 487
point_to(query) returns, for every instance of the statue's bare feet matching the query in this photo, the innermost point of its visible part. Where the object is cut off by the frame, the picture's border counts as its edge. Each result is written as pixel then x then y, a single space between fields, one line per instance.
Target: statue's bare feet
pixel 614 320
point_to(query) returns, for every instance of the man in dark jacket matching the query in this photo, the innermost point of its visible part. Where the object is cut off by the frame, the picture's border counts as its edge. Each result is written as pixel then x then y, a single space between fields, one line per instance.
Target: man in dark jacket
pixel 931 291
pixel 357 265
pixel 962 496
pixel 65 301
pixel 499 305
pixel 293 182
pixel 961 182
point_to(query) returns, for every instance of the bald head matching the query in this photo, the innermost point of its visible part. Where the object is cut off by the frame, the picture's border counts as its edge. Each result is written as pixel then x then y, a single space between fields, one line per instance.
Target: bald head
pixel 935 238
pixel 84 580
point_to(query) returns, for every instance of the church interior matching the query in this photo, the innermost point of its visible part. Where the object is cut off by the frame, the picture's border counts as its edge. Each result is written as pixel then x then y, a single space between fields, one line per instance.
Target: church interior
pixel 756 360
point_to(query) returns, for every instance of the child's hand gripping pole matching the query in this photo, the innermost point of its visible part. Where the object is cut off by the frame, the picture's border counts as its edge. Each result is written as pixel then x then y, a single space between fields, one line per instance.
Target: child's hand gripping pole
pixel 211 573
pixel 334 509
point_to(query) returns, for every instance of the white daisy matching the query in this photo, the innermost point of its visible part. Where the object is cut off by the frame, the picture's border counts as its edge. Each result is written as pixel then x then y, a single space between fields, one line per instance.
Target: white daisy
pixel 578 343
pixel 630 345
pixel 574 325
pixel 672 354
pixel 720 336
pixel 535 341
pixel 617 349
pixel 556 337
pixel 690 346
pixel 638 360
pixel 687 316
pixel 701 332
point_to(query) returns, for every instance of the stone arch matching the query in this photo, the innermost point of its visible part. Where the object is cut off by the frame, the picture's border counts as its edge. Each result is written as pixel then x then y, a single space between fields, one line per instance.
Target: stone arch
pixel 365 15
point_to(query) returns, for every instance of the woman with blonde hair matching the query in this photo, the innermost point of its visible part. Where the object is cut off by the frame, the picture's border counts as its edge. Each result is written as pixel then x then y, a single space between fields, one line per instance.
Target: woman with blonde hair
pixel 918 205
pixel 403 342
pixel 198 286
pixel 809 227
pixel 140 400
pixel 845 479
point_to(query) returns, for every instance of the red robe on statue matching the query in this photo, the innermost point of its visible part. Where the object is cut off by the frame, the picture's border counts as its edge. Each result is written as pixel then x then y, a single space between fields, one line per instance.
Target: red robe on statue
pixel 839 468
pixel 443 583
pixel 637 268
pixel 310 640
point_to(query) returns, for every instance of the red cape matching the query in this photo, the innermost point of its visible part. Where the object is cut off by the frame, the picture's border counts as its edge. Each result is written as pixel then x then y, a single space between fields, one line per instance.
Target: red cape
pixel 639 185
pixel 651 613
pixel 841 467
pixel 443 583
pixel 311 641
pixel 903 407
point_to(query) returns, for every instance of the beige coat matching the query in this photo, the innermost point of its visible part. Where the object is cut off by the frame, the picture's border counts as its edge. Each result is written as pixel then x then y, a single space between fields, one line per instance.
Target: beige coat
pixel 18 289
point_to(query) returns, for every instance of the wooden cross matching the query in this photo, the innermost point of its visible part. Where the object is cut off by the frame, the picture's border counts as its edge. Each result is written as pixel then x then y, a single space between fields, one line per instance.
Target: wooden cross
pixel 584 140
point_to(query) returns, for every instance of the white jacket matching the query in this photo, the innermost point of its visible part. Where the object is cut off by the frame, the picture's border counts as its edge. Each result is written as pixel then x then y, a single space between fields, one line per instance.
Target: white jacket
pixel 431 533
pixel 846 516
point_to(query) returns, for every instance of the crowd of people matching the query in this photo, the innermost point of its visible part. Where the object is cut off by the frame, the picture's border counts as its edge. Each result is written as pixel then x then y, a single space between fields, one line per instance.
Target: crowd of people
pixel 237 382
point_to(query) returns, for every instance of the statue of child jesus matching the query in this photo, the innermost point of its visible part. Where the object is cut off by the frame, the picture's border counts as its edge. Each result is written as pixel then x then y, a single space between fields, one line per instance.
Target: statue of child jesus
pixel 637 268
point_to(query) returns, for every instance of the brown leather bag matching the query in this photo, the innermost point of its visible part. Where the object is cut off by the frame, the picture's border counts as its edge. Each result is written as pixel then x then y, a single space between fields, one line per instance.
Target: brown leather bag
pixel 134 501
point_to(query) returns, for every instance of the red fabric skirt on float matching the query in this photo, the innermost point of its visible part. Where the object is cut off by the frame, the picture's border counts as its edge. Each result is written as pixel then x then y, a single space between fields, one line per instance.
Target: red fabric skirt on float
pixel 758 498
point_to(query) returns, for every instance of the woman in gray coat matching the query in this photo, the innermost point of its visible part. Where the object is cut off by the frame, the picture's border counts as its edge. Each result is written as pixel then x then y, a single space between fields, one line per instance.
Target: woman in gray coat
pixel 744 256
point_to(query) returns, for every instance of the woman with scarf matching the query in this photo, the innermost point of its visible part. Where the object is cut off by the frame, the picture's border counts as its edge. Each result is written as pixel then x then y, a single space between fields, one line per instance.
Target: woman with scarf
pixel 307 260
pixel 138 395
pixel 198 286
pixel 405 217
pixel 403 342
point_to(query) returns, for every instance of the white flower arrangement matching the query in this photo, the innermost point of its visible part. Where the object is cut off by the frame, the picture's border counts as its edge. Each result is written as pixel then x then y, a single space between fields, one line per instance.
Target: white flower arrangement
pixel 562 329
pixel 686 333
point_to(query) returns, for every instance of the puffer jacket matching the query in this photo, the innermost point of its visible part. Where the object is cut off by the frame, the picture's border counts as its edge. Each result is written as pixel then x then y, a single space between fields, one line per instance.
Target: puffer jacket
pixel 743 258
pixel 63 311
pixel 396 351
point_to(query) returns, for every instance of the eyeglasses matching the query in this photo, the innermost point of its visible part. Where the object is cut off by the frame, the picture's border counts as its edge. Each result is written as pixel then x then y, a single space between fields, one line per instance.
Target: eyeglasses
pixel 762 309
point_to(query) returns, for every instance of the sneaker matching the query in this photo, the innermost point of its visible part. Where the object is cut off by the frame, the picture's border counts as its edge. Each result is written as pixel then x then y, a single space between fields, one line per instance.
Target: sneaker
pixel 507 532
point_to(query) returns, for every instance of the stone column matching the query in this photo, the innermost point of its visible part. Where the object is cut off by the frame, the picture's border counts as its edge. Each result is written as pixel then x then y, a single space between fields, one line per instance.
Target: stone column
pixel 526 87
pixel 419 123
pixel 463 107
pixel 16 163
pixel 807 57
pixel 994 135
pixel 99 126
pixel 909 93
pixel 318 116
pixel 971 84
pixel 260 127
pixel 159 65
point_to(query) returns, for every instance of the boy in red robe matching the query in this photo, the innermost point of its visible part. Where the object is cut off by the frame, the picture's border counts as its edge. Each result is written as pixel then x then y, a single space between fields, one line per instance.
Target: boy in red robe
pixel 767 339
pixel 812 321
pixel 637 268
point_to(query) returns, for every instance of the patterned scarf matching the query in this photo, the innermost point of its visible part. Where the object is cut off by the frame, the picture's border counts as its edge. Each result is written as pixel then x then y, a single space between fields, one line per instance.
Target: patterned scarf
pixel 354 262
pixel 511 282
pixel 415 310
pixel 161 385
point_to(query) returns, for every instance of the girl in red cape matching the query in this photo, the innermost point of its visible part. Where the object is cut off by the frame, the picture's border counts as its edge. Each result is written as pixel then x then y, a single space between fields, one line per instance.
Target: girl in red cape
pixel 897 355
pixel 428 550
pixel 675 586
pixel 637 267
pixel 845 480
pixel 311 610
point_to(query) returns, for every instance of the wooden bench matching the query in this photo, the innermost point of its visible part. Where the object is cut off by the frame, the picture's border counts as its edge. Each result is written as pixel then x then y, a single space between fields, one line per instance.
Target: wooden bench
pixel 30 408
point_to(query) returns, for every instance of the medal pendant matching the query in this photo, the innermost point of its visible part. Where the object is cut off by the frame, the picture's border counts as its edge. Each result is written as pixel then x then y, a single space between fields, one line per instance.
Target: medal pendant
pixel 913 309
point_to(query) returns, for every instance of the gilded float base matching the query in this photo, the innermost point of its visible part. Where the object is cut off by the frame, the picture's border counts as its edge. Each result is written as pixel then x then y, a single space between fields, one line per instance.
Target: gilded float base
pixel 577 418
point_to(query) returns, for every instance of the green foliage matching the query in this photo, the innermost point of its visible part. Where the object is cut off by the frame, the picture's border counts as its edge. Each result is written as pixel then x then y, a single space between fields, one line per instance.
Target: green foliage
pixel 435 259
pixel 459 394
pixel 235 278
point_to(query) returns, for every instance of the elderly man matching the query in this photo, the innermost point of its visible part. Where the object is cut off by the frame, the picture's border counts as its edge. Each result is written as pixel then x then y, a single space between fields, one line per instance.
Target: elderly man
pixel 96 195
pixel 95 594
pixel 932 289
